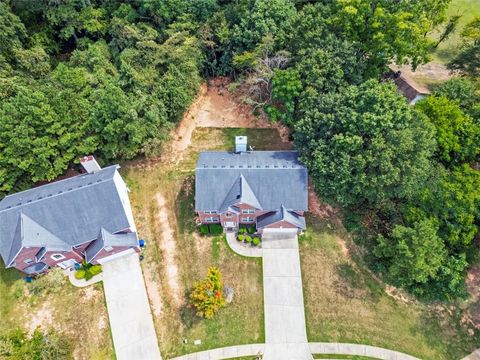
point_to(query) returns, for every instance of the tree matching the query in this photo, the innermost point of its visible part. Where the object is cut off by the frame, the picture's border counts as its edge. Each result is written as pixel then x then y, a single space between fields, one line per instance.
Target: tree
pixel 207 295
pixel 412 256
pixel 262 17
pixel 458 137
pixel 18 345
pixel 364 146
pixel 389 30
pixel 465 92
pixel 468 59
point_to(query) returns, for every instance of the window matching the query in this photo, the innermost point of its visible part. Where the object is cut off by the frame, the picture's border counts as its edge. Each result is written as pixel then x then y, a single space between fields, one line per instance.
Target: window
pixel 210 211
pixel 228 215
pixel 248 211
pixel 108 248
pixel 212 219
pixel 57 257
pixel 28 261
pixel 247 219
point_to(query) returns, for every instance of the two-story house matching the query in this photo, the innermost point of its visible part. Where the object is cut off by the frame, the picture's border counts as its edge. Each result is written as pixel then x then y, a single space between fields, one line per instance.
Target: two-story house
pixel 268 189
pixel 85 217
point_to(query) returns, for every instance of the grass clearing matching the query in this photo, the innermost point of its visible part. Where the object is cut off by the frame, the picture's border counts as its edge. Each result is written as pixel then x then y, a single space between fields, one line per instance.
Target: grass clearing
pixel 240 322
pixel 345 303
pixel 468 9
pixel 52 302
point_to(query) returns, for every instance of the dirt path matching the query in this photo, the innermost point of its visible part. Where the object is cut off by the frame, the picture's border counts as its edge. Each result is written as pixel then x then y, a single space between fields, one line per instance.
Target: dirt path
pixel 215 107
pixel 169 250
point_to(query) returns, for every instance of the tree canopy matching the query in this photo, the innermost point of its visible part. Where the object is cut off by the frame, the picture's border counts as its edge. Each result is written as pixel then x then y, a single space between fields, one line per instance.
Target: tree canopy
pixel 364 146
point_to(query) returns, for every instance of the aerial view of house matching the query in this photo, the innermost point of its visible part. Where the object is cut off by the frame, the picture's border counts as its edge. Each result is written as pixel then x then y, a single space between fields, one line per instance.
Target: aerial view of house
pixel 239 179
pixel 268 189
pixel 86 217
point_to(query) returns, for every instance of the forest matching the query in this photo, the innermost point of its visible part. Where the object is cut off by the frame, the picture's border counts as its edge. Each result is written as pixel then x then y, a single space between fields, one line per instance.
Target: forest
pixel 113 77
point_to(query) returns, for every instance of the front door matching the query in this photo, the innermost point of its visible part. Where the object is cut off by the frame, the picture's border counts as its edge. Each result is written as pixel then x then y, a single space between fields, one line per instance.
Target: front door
pixel 230 225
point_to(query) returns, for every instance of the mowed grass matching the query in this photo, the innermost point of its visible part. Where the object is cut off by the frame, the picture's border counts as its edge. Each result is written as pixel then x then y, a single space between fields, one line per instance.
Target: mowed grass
pixel 468 9
pixel 240 322
pixel 79 315
pixel 345 303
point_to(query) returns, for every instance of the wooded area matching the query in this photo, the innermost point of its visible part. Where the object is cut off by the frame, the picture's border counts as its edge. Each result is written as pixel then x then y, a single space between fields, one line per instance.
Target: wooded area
pixel 112 78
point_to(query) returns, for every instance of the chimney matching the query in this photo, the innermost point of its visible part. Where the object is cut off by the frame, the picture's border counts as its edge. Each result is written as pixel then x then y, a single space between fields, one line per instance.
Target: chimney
pixel 90 164
pixel 240 144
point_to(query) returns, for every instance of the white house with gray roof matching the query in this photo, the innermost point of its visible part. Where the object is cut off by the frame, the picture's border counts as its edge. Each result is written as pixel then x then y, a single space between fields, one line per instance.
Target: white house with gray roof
pixel 268 189
pixel 85 217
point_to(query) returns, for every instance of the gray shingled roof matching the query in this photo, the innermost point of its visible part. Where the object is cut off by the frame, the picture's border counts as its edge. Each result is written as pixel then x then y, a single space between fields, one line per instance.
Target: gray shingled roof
pixel 240 192
pixel 274 177
pixel 106 238
pixel 281 215
pixel 69 211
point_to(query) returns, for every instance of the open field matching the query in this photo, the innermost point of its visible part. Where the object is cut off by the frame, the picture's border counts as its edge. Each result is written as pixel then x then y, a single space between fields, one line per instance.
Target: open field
pixel 345 303
pixel 468 9
pixel 79 315
pixel 188 259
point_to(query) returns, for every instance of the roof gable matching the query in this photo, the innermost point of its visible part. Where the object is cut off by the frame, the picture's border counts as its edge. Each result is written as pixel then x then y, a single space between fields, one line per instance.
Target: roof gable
pixel 282 214
pixel 240 192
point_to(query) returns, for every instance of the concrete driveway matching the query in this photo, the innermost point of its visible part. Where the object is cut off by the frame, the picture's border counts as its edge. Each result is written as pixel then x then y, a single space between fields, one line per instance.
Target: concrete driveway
pixel 285 331
pixel 131 320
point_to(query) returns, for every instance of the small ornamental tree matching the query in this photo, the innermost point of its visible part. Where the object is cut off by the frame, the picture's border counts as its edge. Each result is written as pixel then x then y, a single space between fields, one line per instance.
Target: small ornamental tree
pixel 207 295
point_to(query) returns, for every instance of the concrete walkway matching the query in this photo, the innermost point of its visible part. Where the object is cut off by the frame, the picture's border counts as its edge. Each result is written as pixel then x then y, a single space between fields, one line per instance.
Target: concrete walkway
pixel 285 330
pixel 241 249
pixel 131 321
pixel 315 348
pixel 225 352
pixel 82 282
pixel 359 350
pixel 473 356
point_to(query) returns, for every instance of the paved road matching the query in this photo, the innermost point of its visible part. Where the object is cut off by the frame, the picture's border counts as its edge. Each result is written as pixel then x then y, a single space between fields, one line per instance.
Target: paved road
pixel 131 320
pixel 285 331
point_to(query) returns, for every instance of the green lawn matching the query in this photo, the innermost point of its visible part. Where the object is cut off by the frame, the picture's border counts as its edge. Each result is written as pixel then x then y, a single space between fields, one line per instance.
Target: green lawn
pixel 449 48
pixel 345 303
pixel 240 322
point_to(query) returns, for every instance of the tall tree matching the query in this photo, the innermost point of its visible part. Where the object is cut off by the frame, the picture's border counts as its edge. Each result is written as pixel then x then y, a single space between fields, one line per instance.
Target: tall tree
pixel 364 146
pixel 458 137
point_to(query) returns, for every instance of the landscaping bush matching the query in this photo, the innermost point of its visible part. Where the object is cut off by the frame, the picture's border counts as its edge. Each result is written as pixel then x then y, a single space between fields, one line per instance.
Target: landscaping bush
pixel 80 274
pixel 88 271
pixel 241 237
pixel 203 229
pixel 251 230
pixel 96 269
pixel 242 230
pixel 256 241
pixel 216 229
pixel 248 239
pixel 207 295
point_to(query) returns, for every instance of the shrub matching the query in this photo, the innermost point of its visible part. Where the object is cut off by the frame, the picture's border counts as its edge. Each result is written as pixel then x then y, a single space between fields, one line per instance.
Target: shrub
pixel 207 295
pixel 241 237
pixel 216 229
pixel 248 239
pixel 203 229
pixel 256 241
pixel 80 274
pixel 251 229
pixel 96 269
